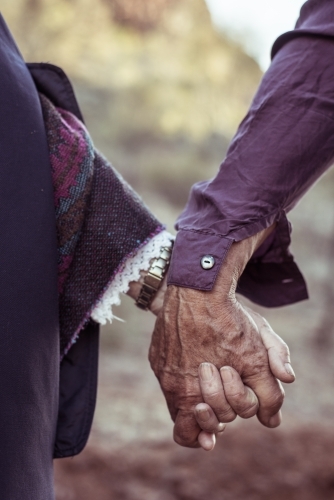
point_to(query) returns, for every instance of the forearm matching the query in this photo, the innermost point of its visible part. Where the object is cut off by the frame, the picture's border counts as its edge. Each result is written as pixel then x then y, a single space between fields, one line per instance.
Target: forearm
pixel 236 260
pixel 282 146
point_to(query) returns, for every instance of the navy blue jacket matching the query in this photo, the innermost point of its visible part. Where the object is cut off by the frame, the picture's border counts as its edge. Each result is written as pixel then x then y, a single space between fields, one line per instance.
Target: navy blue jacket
pixel 46 409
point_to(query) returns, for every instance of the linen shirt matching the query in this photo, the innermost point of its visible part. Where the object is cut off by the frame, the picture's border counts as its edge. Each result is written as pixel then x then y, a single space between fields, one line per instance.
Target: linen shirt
pixel 283 145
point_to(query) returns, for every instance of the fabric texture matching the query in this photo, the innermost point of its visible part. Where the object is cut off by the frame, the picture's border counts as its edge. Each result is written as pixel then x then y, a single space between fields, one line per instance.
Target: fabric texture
pixel 101 221
pixel 282 146
pixel 29 355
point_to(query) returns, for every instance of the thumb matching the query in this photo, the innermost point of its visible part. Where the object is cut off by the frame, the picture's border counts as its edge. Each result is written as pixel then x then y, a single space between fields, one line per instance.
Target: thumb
pixel 186 429
pixel 278 351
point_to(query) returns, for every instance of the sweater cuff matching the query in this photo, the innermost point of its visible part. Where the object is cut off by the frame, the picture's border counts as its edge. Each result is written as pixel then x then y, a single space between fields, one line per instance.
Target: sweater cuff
pixel 129 272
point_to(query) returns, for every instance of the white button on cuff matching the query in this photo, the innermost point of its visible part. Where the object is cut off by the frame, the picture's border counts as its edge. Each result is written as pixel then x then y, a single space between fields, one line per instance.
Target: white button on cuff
pixel 207 262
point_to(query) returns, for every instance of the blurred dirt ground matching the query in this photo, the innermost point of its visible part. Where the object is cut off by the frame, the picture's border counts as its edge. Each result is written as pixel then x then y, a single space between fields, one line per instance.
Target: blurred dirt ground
pixel 251 464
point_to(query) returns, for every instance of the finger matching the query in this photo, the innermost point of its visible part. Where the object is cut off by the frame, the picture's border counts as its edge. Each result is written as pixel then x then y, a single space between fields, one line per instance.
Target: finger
pixel 219 434
pixel 207 440
pixel 207 419
pixel 213 393
pixel 240 397
pixel 278 351
pixel 186 429
pixel 270 394
pixel 275 420
pixel 268 389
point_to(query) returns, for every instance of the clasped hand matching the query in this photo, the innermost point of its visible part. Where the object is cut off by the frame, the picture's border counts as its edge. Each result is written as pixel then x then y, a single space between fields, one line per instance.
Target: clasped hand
pixel 216 359
pixel 226 393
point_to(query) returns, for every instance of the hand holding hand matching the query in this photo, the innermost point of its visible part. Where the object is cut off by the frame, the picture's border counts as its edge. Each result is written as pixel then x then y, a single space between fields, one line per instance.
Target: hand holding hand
pixel 224 393
pixel 195 327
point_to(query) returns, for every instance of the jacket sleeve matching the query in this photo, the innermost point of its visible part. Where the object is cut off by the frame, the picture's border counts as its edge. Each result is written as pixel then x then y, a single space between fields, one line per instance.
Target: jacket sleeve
pixel 283 145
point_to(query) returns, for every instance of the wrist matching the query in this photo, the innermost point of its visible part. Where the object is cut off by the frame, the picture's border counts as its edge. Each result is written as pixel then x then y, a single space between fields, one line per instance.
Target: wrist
pixel 148 291
pixel 159 297
pixel 154 278
pixel 236 261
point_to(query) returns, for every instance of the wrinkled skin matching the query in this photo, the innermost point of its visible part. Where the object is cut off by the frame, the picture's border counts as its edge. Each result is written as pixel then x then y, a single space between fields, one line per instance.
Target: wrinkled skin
pixel 196 327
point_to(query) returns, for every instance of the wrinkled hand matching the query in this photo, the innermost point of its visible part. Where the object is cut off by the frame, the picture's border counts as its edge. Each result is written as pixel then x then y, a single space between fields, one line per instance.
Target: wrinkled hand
pixel 213 327
pixel 225 394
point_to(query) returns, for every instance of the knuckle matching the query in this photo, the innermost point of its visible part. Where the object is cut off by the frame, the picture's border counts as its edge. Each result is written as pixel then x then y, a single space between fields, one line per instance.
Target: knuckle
pixel 287 351
pixel 213 395
pixel 249 411
pixel 276 400
pixel 284 347
pixel 213 399
pixel 236 397
pixel 210 427
pixel 227 415
pixel 185 442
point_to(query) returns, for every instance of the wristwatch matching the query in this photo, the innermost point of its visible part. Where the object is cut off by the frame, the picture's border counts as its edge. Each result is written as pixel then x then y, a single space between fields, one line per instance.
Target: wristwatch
pixel 154 277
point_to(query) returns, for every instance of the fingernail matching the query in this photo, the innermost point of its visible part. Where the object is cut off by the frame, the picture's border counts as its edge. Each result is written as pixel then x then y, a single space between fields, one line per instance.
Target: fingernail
pixel 275 420
pixel 226 374
pixel 221 427
pixel 210 444
pixel 203 414
pixel 206 372
pixel 289 370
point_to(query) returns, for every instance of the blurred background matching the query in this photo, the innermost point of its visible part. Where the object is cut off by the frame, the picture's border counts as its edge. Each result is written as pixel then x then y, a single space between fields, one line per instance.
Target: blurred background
pixel 163 85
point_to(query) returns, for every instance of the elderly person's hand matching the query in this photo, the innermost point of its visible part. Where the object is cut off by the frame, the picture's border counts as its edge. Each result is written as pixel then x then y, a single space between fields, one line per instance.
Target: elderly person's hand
pixel 213 328
pixel 225 394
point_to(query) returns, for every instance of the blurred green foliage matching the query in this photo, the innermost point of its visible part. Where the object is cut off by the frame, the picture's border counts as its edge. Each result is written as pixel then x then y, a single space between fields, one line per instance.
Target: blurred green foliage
pixel 162 92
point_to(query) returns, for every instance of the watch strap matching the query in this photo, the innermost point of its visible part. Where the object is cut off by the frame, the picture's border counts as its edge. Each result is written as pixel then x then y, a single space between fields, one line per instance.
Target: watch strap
pixel 154 277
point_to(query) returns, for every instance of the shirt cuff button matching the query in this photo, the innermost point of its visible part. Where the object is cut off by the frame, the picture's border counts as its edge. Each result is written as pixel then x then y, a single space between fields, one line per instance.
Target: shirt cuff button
pixel 207 262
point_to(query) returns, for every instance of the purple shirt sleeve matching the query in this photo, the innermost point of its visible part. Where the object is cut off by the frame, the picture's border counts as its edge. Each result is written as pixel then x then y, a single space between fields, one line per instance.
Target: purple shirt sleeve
pixel 283 145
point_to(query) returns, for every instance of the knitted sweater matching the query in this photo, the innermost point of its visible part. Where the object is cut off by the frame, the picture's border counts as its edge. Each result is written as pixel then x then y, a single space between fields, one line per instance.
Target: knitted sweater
pixel 101 222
